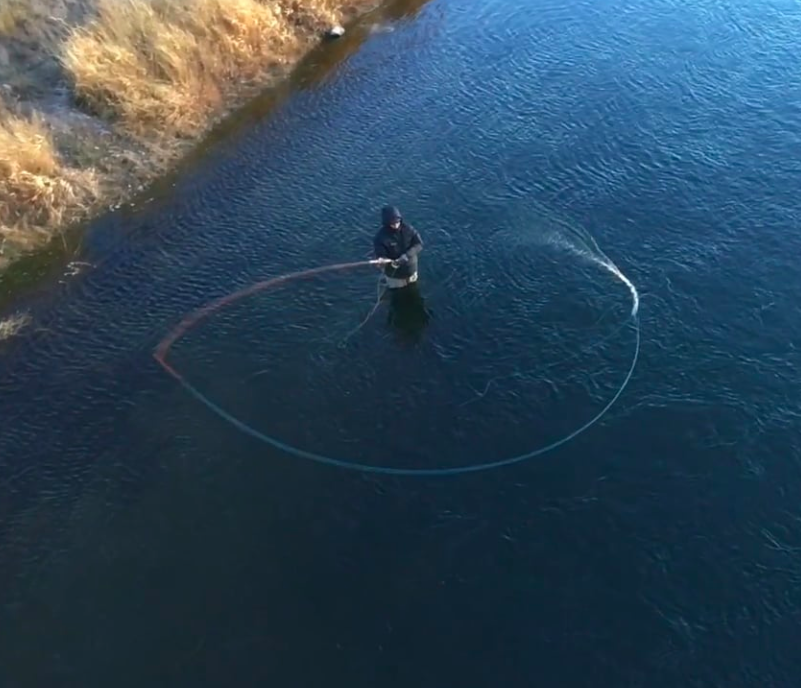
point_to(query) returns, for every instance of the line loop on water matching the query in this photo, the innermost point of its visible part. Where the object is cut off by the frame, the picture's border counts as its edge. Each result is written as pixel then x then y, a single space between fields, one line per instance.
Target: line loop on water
pixel 192 319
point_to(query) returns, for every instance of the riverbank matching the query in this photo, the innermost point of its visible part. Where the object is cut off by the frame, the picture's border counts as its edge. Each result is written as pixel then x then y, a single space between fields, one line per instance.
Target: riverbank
pixel 100 97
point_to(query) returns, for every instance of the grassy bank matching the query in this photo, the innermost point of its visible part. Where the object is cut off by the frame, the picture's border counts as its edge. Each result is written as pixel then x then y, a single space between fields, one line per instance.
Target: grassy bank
pixel 97 97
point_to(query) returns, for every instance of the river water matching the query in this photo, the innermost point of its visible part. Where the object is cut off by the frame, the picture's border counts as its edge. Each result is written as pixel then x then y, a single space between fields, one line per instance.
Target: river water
pixel 145 540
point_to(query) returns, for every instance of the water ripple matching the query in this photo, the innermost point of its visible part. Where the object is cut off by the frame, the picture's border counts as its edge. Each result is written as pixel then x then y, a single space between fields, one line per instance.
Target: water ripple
pixel 669 131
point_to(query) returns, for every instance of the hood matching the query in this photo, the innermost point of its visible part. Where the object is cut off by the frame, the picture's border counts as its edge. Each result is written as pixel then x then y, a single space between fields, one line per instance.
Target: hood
pixel 388 214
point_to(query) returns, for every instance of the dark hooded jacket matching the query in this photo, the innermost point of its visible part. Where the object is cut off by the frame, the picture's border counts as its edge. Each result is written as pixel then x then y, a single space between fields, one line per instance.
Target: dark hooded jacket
pixel 393 243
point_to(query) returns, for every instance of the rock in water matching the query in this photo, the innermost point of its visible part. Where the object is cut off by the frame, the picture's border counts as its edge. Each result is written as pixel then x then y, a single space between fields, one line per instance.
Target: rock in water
pixel 335 31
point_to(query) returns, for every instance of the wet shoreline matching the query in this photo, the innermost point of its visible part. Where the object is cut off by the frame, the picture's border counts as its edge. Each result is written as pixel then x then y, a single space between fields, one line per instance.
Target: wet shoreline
pixel 121 168
pixel 84 244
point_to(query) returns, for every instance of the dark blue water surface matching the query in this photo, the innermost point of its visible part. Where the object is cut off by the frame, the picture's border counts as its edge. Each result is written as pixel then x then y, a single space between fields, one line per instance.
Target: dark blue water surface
pixel 146 542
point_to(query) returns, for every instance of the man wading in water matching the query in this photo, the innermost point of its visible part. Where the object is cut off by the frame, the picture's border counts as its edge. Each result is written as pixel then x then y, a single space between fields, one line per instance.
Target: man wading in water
pixel 400 243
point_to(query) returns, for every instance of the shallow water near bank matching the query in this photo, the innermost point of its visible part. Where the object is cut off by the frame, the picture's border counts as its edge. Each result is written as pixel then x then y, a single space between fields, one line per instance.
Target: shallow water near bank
pixel 144 539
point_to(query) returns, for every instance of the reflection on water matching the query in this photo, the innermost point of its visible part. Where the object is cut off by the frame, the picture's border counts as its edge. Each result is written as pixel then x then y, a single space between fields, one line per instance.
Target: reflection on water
pixel 407 311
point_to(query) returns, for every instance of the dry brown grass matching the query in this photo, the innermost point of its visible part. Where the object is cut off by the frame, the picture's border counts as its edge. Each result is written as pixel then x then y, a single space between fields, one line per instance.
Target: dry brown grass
pixel 10 13
pixel 162 67
pixel 154 75
pixel 41 21
pixel 38 193
pixel 13 13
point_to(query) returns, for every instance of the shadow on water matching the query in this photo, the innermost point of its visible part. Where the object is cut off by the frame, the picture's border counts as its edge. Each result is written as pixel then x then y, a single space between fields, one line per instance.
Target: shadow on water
pixel 91 242
pixel 407 313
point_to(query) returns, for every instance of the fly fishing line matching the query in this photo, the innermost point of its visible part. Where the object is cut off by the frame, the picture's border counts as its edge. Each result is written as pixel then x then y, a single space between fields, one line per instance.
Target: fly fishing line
pixel 583 246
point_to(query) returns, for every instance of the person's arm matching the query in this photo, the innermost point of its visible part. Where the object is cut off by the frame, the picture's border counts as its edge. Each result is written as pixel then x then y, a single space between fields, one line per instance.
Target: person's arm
pixel 416 244
pixel 379 250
